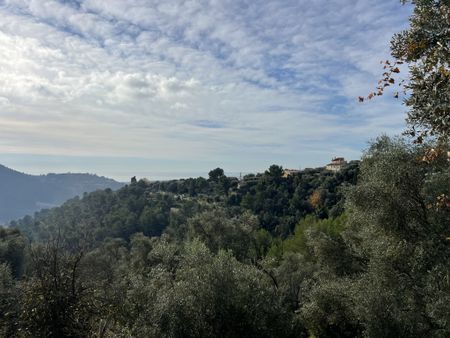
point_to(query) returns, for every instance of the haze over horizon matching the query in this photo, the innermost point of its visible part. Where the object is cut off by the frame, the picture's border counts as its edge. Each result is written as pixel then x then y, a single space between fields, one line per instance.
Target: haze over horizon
pixel 145 169
pixel 125 88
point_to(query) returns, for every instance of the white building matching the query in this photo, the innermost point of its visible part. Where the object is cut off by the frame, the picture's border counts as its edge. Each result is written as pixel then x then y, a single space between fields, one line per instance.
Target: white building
pixel 336 164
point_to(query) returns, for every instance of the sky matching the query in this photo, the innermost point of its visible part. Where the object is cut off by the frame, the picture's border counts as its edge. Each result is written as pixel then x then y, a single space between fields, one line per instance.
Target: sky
pixel 165 89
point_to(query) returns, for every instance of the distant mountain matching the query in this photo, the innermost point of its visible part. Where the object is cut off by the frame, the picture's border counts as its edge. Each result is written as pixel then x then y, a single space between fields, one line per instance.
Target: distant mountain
pixel 22 194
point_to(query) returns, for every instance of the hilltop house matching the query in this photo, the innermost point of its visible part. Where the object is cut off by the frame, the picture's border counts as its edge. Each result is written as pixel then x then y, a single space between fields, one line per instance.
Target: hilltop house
pixel 290 172
pixel 336 164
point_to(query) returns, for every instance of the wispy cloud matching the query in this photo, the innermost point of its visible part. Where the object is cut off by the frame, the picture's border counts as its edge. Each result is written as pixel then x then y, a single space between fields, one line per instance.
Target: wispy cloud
pixel 239 83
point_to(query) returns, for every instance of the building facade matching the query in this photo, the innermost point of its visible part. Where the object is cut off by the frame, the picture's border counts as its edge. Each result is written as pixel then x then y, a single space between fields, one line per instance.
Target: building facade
pixel 336 164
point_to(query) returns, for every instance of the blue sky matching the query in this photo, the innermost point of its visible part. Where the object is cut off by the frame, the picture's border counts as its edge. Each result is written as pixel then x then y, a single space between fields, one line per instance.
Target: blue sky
pixel 176 88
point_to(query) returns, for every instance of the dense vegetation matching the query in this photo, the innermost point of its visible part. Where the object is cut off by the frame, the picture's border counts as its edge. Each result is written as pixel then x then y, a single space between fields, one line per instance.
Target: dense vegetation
pixel 23 194
pixel 152 207
pixel 146 262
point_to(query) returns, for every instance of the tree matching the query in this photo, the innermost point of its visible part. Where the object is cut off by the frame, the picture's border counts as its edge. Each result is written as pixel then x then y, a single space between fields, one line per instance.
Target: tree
pixel 219 230
pixel 382 275
pixel 188 291
pixel 9 307
pixel 398 231
pixel 275 172
pixel 216 296
pixel 12 250
pixel 331 311
pixel 216 174
pixel 425 47
pixel 55 301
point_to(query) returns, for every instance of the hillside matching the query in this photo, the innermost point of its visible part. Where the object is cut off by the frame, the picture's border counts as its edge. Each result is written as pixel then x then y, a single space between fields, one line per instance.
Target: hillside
pixel 22 194
pixel 151 208
pixel 265 256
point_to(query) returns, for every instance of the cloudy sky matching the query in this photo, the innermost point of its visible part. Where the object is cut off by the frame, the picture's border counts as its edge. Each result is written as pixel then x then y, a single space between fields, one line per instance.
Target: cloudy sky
pixel 175 88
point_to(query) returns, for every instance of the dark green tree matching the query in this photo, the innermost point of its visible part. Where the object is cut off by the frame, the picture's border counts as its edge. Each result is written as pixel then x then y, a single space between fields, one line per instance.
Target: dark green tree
pixel 9 305
pixel 216 174
pixel 55 302
pixel 12 250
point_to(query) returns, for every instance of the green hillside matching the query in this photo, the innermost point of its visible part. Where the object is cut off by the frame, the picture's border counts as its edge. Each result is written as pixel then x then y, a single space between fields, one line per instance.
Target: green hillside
pixel 195 258
pixel 22 194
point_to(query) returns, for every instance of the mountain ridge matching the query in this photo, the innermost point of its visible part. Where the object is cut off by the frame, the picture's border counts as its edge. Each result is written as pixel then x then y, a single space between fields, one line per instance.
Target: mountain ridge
pixel 22 194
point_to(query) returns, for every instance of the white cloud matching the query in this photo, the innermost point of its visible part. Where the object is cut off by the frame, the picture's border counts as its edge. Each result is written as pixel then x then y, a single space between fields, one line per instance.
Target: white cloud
pixel 131 77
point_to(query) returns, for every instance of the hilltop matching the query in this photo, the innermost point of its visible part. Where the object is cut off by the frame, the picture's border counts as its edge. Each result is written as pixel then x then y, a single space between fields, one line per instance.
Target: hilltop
pixel 22 194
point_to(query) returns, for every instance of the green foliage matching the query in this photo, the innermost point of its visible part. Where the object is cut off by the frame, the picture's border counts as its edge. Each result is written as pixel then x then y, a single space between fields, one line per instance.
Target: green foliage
pixel 382 277
pixel 23 194
pixel 263 242
pixel 402 239
pixel 9 307
pixel 298 242
pixel 146 262
pixel 331 311
pixel 216 174
pixel 294 277
pixel 206 295
pixel 55 302
pixel 103 214
pixel 157 207
pixel 218 230
pixel 425 47
pixel 281 202
pixel 12 250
